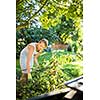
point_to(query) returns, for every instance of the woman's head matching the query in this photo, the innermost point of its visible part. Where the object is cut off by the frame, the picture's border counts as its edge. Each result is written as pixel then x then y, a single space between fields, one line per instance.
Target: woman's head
pixel 42 44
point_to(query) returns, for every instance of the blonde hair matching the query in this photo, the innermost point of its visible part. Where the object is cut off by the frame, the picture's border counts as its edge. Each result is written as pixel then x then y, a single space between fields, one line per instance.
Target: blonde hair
pixel 45 42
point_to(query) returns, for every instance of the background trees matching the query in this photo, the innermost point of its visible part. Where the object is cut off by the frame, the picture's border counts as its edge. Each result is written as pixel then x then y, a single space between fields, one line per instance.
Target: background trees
pixel 56 20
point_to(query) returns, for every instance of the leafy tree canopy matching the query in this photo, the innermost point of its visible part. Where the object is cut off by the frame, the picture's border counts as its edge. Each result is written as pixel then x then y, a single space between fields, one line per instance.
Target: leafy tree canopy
pixel 47 12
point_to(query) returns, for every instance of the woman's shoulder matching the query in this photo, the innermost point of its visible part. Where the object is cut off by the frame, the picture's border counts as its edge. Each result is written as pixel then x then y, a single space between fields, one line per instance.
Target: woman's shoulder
pixel 32 43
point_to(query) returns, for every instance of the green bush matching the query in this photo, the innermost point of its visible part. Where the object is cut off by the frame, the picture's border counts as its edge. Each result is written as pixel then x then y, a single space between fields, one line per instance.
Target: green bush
pixel 55 68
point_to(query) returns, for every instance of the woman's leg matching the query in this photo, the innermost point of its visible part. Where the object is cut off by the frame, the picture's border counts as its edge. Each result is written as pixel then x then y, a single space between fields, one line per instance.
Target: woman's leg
pixel 24 76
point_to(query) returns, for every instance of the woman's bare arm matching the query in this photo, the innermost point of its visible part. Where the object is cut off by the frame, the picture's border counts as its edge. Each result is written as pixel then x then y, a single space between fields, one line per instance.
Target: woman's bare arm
pixel 30 52
pixel 36 58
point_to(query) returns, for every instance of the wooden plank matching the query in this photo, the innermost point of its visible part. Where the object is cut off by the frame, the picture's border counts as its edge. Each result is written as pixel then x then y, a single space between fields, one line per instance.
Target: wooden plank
pixel 54 95
pixel 70 94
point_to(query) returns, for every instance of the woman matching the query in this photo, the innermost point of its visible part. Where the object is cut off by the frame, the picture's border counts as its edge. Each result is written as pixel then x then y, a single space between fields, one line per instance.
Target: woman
pixel 28 57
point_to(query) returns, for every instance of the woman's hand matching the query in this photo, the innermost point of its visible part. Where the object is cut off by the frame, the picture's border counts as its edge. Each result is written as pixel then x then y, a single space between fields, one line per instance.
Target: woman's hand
pixel 36 61
pixel 28 69
pixel 29 76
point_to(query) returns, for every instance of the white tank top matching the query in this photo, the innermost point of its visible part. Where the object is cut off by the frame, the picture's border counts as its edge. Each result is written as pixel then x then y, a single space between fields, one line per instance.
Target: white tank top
pixel 34 45
pixel 23 57
pixel 25 50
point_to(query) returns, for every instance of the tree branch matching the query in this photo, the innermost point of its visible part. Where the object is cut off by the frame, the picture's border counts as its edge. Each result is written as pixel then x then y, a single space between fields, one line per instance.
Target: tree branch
pixel 27 22
pixel 18 1
pixel 37 11
pixel 21 26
